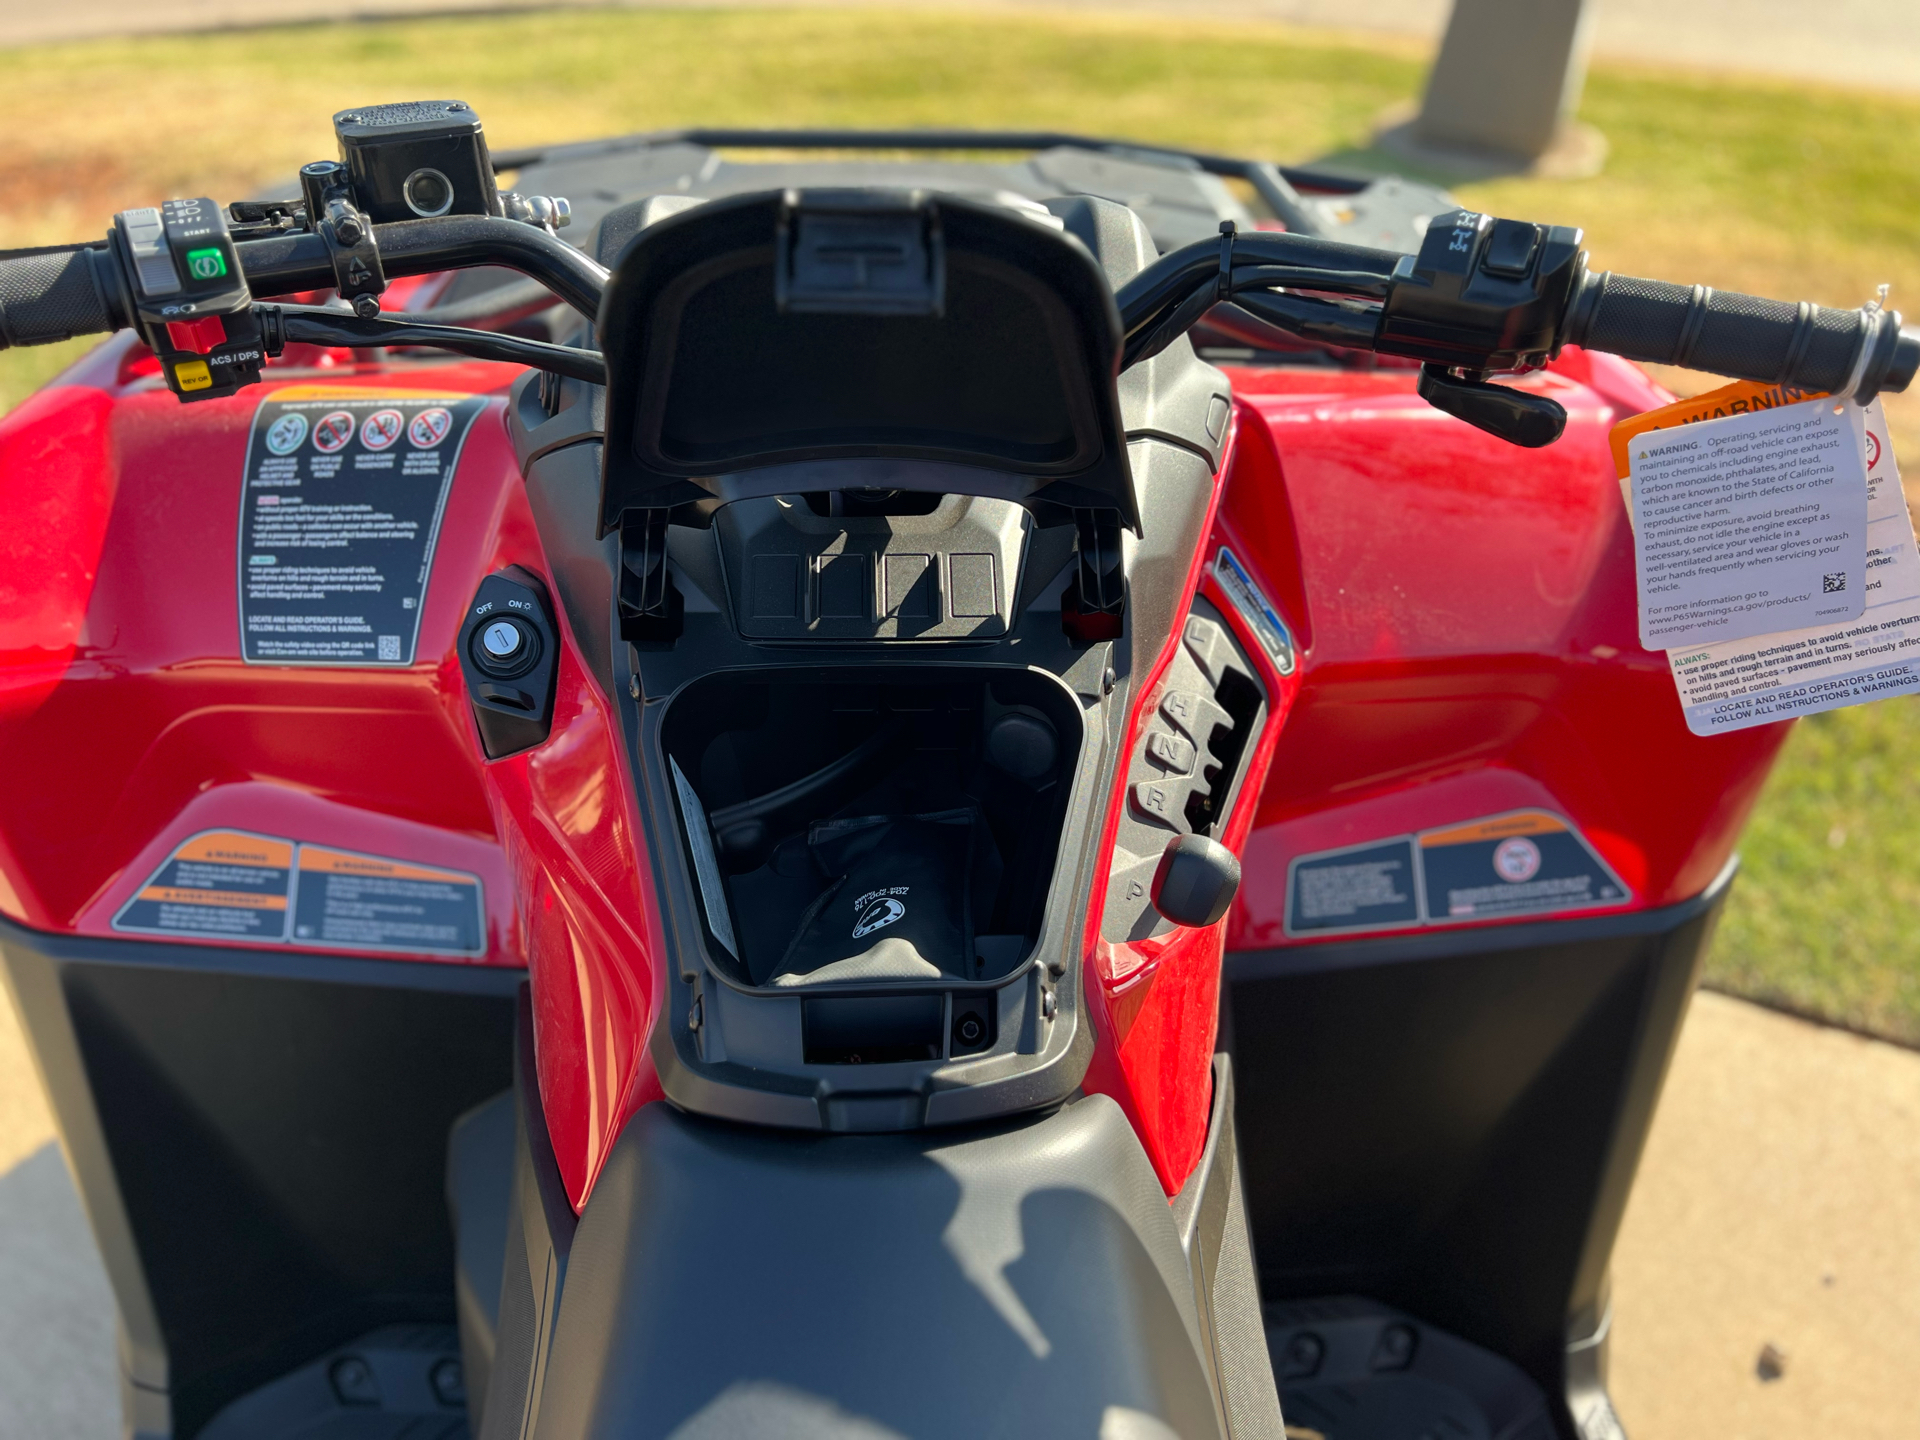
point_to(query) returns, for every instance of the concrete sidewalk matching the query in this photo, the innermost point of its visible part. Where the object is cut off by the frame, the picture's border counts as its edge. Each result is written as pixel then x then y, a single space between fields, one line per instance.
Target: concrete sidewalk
pixel 1779 1204
pixel 1874 43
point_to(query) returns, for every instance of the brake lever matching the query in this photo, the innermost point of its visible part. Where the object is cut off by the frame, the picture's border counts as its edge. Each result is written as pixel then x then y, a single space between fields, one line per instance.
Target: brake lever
pixel 281 324
pixel 1512 415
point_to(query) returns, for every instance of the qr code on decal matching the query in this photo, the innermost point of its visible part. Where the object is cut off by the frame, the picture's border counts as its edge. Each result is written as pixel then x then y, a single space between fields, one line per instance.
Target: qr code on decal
pixel 389 647
pixel 1833 584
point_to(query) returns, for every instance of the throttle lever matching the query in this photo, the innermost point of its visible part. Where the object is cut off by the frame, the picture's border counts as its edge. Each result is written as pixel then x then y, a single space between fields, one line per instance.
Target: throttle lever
pixel 1513 415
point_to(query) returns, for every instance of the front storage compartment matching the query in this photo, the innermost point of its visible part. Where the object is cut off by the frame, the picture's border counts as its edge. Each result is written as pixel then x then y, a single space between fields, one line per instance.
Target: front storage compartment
pixel 872 828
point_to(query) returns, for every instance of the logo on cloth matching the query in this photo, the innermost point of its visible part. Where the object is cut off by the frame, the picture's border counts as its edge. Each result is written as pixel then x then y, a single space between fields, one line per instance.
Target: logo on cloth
pixel 878 909
pixel 1516 860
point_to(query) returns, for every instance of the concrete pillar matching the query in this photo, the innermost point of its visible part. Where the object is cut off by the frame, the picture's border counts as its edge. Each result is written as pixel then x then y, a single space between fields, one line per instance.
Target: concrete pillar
pixel 1503 92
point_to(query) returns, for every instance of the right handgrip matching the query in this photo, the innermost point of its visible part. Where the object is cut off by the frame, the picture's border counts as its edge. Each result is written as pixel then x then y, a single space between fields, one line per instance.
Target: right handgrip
pixel 54 294
pixel 1860 352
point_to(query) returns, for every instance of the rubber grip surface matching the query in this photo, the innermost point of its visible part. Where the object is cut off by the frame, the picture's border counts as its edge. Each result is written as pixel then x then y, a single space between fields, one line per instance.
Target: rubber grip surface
pixel 50 296
pixel 1726 333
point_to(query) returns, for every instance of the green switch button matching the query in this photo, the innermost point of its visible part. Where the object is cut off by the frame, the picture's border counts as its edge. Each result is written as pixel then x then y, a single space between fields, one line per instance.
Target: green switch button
pixel 208 264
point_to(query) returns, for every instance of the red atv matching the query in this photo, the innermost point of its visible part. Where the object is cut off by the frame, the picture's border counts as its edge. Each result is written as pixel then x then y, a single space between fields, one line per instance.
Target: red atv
pixel 644 840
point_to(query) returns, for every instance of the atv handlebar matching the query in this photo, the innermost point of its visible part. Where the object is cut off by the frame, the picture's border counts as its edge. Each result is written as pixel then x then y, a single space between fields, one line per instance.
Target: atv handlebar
pixel 300 260
pixel 1481 296
pixel 60 292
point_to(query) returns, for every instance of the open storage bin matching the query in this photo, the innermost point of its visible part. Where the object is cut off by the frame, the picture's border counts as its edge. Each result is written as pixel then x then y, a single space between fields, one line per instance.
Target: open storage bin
pixel 872 827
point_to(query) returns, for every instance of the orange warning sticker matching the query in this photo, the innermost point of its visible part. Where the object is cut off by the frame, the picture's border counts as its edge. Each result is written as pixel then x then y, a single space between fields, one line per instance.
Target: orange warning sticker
pixel 164 895
pixel 1743 397
pixel 319 859
pixel 358 392
pixel 368 902
pixel 1528 862
pixel 219 884
pixel 1525 822
pixel 232 885
pixel 231 847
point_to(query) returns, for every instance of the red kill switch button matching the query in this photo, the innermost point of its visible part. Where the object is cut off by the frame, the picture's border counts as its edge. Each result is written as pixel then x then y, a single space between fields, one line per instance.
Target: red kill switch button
pixel 199 336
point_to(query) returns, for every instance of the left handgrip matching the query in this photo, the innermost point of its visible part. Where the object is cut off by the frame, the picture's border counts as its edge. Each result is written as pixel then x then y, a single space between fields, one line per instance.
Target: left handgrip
pixel 55 294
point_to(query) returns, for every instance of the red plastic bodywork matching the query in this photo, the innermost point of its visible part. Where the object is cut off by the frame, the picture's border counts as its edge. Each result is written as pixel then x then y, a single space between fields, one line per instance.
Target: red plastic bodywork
pixel 1465 612
pixel 1156 1003
pixel 1474 641
pixel 128 721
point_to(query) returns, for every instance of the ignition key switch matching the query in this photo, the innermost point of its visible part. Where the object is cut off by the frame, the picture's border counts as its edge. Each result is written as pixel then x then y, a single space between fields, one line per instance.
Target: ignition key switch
pixel 509 654
pixel 505 648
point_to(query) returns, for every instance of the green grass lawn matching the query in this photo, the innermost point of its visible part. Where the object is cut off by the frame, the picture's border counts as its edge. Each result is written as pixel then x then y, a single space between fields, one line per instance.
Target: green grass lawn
pixel 1825 917
pixel 1777 187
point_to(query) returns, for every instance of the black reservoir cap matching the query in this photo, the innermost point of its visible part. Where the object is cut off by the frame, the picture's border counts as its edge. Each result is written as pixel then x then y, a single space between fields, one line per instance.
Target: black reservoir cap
pixel 417 159
pixel 407 118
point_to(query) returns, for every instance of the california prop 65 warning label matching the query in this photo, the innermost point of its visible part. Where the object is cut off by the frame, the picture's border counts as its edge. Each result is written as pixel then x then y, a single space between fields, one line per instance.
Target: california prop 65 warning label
pixel 231 885
pixel 340 508
pixel 1528 862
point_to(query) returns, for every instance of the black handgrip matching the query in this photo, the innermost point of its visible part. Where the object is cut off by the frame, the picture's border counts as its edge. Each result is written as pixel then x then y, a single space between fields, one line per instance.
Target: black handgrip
pixel 55 294
pixel 1726 333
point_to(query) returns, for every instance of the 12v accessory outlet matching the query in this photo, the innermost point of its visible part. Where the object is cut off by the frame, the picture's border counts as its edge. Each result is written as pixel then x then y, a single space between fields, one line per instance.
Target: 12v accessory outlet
pixel 509 654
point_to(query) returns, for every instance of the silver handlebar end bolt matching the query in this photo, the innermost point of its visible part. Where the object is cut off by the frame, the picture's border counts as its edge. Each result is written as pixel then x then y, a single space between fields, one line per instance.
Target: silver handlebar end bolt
pixel 550 212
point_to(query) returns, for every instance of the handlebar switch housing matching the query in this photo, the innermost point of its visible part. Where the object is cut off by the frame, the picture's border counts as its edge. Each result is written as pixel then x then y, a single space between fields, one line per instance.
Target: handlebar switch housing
pixel 191 302
pixel 1482 294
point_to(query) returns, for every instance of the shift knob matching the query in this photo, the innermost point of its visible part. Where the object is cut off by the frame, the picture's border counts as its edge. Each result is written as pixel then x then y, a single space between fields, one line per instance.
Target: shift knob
pixel 1196 880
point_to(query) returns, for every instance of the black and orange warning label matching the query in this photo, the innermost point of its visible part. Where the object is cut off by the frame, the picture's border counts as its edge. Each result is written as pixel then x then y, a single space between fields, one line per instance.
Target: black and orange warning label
pixel 366 902
pixel 224 884
pixel 231 885
pixel 1526 862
